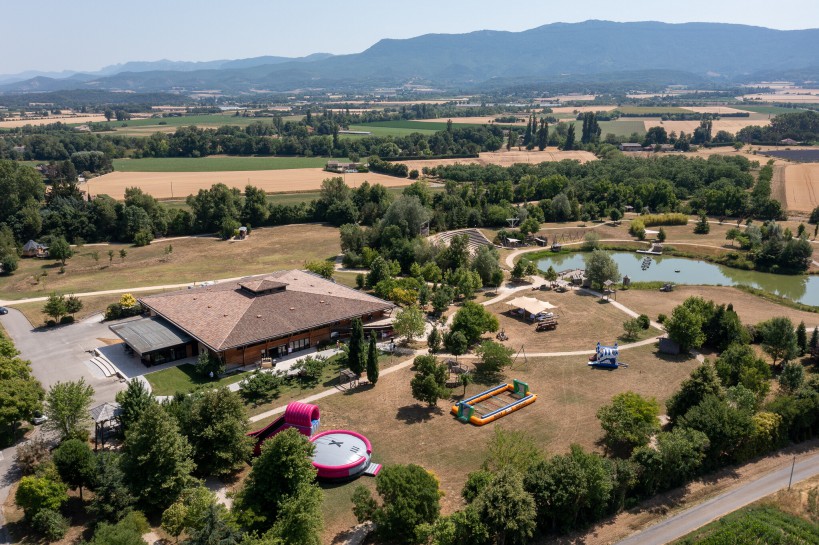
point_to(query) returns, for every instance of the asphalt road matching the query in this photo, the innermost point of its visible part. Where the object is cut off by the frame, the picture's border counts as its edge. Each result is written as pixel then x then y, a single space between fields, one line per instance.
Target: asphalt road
pixel 56 355
pixel 686 522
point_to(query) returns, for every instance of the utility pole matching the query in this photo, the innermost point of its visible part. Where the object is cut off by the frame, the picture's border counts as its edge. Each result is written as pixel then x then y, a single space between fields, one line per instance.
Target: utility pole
pixel 790 481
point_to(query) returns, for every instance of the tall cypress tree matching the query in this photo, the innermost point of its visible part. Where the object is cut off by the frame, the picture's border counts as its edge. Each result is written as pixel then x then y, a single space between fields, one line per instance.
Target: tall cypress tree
pixel 527 137
pixel 584 134
pixel 543 135
pixel 372 361
pixel 356 353
pixel 569 144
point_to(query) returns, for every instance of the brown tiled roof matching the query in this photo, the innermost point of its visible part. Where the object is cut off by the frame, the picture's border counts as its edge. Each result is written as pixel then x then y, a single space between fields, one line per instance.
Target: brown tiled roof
pixel 263 284
pixel 224 315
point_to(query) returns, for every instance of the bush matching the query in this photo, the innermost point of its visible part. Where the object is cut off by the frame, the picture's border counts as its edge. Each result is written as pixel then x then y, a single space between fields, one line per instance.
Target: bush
pixel 644 321
pixel 51 524
pixel 661 318
pixel 311 368
pixel 143 237
pixel 116 311
pixel 66 320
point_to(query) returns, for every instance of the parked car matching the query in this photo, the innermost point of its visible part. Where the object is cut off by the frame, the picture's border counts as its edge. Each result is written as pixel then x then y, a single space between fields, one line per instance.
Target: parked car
pixel 3 310
pixel 39 418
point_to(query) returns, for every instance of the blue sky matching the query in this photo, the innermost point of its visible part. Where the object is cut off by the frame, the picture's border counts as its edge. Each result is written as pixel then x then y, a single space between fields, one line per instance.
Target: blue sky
pixel 89 34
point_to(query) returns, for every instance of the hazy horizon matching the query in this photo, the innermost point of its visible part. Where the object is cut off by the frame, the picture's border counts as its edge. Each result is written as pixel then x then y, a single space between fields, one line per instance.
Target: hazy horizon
pixel 106 33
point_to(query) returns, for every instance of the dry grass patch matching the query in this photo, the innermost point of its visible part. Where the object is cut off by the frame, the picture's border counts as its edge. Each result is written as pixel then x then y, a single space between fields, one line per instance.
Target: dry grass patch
pixel 583 320
pixel 751 309
pixel 193 259
pixel 403 432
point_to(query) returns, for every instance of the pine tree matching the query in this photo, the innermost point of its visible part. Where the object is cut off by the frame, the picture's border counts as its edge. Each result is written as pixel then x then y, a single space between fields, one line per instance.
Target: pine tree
pixel 802 338
pixel 355 356
pixel 372 362
pixel 814 340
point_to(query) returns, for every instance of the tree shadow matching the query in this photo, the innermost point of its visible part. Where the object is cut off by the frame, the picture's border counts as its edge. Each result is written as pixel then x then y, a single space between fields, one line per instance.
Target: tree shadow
pixel 417 413
pixel 360 387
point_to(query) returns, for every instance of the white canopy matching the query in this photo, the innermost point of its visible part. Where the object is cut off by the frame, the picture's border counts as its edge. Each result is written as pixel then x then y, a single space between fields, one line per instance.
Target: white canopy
pixel 530 305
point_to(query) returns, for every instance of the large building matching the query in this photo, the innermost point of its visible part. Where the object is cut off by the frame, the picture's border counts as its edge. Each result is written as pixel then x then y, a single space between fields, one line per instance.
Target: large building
pixel 269 315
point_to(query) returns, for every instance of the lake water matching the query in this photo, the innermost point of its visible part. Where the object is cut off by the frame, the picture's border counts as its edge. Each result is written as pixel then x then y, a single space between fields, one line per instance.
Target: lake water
pixel 802 288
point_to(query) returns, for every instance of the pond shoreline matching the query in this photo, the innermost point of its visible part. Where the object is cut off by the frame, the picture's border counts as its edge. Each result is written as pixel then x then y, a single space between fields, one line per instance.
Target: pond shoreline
pixel 798 289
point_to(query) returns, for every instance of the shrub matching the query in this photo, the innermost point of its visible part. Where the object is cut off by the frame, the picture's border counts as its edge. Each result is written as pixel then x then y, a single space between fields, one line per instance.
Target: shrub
pixel 66 320
pixel 37 493
pixel 116 311
pixel 261 386
pixel 208 365
pixel 631 329
pixel 143 237
pixel 51 524
pixel 661 318
pixel 311 368
pixel 644 321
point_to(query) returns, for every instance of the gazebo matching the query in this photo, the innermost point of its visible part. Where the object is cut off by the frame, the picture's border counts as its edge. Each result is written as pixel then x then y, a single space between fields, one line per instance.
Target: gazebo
pixel 608 289
pixel 102 415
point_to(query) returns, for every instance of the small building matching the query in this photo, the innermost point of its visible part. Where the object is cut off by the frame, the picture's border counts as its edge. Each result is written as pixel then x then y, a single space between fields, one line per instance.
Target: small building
pixel 789 142
pixel 342 167
pixel 667 346
pixel 34 249
pixel 627 146
pixel 243 321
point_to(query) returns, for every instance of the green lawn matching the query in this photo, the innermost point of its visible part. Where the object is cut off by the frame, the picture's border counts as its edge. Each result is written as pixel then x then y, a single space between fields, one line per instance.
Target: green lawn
pixel 184 378
pixel 620 127
pixel 213 120
pixel 217 164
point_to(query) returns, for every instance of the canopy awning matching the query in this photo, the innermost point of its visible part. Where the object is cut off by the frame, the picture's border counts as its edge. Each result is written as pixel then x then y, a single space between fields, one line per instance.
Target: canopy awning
pixel 150 334
pixel 530 305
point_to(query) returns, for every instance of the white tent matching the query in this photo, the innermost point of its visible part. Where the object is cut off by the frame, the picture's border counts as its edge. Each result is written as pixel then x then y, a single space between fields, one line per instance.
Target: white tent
pixel 531 305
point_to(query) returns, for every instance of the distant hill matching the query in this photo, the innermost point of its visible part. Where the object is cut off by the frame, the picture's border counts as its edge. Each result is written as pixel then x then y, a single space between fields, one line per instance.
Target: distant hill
pixel 555 52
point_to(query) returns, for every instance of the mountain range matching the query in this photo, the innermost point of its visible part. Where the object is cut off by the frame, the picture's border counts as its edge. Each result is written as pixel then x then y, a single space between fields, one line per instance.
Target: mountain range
pixel 723 53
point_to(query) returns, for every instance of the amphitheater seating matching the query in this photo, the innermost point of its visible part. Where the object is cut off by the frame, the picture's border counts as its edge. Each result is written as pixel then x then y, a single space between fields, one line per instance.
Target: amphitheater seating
pixel 476 238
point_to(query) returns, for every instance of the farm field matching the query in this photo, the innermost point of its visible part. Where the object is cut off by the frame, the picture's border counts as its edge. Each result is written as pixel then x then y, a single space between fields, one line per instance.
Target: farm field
pixel 403 431
pixel 798 185
pixel 390 130
pixel 72 120
pixel 716 110
pixel 797 96
pixel 581 109
pixel 650 110
pixel 194 259
pixel 217 164
pixel 507 158
pixel 799 155
pixel 756 524
pixel 768 110
pixel 169 185
pixel 730 124
pixel 473 120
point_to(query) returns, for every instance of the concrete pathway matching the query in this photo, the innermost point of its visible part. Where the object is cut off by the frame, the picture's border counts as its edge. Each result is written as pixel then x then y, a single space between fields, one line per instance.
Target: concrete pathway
pixel 686 522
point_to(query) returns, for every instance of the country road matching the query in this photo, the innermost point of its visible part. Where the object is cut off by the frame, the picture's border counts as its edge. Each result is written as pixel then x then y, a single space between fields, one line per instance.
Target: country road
pixel 686 522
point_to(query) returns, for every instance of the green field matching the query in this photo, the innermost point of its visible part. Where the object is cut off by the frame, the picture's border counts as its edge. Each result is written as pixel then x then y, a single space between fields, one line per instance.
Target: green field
pixel 759 524
pixel 217 164
pixel 649 110
pixel 772 110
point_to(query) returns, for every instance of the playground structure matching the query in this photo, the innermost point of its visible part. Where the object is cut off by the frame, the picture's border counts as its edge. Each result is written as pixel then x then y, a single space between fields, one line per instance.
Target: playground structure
pixel 605 357
pixel 338 454
pixel 494 403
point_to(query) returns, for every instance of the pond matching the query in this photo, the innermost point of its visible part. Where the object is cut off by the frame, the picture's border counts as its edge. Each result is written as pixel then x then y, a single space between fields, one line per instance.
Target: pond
pixel 679 270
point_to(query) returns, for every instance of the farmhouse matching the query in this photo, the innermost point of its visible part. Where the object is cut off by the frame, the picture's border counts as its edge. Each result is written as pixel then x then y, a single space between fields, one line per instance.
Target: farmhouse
pixel 631 147
pixel 340 167
pixel 243 321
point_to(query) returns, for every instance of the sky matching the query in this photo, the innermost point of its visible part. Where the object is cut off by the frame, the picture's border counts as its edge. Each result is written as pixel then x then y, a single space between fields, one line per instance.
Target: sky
pixel 89 34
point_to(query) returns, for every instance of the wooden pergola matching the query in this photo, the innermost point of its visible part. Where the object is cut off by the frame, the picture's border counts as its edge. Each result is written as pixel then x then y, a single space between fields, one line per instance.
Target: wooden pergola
pixel 102 415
